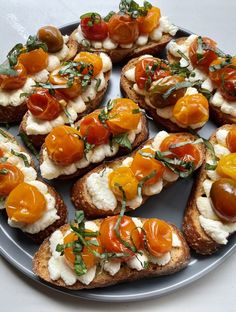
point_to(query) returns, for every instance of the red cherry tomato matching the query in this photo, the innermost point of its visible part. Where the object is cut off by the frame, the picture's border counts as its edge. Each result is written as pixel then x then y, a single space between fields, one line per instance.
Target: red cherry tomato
pixel 93 27
pixel 228 85
pixel 231 139
pixel 94 131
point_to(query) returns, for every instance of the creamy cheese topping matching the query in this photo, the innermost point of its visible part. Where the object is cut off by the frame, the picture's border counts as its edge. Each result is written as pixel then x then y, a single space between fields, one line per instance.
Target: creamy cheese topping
pixel 227 107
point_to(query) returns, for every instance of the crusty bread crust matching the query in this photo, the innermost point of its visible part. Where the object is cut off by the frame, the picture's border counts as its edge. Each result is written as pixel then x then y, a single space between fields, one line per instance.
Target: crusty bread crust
pixel 179 260
pixel 82 199
pixel 120 54
pixel 38 139
pixel 196 237
pixel 12 114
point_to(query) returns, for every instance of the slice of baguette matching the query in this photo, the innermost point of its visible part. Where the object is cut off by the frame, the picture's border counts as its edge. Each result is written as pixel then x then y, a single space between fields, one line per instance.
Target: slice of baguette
pixel 121 54
pixel 179 260
pixel 139 139
pixel 196 237
pixel 128 91
pixel 83 201
pixel 38 139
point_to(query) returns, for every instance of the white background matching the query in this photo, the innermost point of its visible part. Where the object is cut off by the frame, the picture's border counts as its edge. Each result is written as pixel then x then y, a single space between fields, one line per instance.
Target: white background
pixel 214 18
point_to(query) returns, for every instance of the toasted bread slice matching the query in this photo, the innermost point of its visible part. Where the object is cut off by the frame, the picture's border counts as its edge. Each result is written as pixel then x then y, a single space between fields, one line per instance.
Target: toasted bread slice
pixel 170 57
pixel 195 235
pixel 179 260
pixel 38 139
pixel 139 139
pixel 121 54
pixel 82 199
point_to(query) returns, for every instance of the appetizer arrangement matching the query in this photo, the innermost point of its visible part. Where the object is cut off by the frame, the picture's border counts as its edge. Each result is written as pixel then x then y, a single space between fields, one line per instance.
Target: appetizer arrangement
pixel 53 85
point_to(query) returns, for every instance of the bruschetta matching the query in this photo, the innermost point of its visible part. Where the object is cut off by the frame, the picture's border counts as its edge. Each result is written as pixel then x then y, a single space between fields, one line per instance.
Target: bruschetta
pixel 104 252
pixel 86 78
pixel 30 204
pixel 133 31
pixel 29 64
pixel 157 163
pixel 216 68
pixel 210 216
pixel 166 93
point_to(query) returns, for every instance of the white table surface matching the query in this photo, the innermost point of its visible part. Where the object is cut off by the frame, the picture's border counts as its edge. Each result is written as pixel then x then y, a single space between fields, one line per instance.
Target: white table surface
pixel 214 292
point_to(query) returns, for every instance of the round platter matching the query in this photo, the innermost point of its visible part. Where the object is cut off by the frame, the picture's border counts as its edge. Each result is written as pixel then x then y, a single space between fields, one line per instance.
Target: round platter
pixel 169 205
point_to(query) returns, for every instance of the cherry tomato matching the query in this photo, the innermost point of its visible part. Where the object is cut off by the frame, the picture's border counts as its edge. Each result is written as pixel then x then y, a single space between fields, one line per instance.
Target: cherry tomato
pixel 191 109
pixel 127 231
pixel 147 23
pixel 34 61
pixel 14 82
pixel 52 37
pixel 226 166
pixel 25 204
pixel 1 153
pixel 216 75
pixel 71 92
pixel 94 131
pixel 10 177
pixel 158 236
pixel 231 139
pixel 64 145
pixel 43 105
pixel 203 61
pixel 124 177
pixel 87 256
pixel 223 197
pixel 93 27
pixel 124 116
pixel 148 70
pixel 188 152
pixel 228 85
pixel 143 166
pixel 123 29
pixel 90 59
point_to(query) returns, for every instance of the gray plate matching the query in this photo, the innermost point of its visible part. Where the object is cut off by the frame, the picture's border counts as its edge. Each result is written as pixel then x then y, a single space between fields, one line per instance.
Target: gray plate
pixel 169 205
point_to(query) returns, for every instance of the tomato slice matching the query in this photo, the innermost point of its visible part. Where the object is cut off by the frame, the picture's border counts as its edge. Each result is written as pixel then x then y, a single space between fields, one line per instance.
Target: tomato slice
pixel 149 22
pixel 43 105
pixel 191 109
pixel 124 116
pixel 158 236
pixel 64 145
pixel 143 166
pixel 124 178
pixel 226 166
pixel 94 131
pixel 128 232
pixel 14 82
pixel 93 27
pixel 228 84
pixel 25 204
pixel 148 70
pixel 90 59
pixel 123 29
pixel 10 177
pixel 231 139
pixel 34 61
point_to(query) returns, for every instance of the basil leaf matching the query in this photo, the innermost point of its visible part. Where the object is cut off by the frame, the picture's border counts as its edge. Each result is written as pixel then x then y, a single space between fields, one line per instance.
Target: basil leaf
pixel 22 156
pixel 79 216
pixel 8 71
pixel 122 140
pixel 200 50
pixel 180 85
pixel 183 55
pixel 5 135
pixel 108 16
pixel 29 144
pixel 145 179
pixel 12 56
pixel 4 171
pixel 34 43
pixel 79 266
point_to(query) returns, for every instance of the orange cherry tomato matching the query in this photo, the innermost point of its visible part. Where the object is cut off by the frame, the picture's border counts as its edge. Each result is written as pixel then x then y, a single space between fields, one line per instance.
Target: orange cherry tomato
pixel 128 232
pixel 228 84
pixel 124 116
pixel 14 82
pixel 147 23
pixel 203 61
pixel 188 152
pixel 93 27
pixel 87 256
pixel 148 70
pixel 231 139
pixel 123 177
pixel 64 145
pixel 223 197
pixel 71 92
pixel 216 75
pixel 226 166
pixel 34 61
pixel 94 131
pixel 25 204
pixel 191 109
pixel 90 58
pixel 1 153
pixel 143 166
pixel 123 29
pixel 43 105
pixel 10 177
pixel 158 236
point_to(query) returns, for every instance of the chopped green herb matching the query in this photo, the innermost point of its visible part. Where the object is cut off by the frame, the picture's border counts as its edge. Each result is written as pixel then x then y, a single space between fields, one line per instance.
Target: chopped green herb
pixel 104 114
pixel 3 159
pixel 223 64
pixel 7 71
pixel 98 83
pixel 133 9
pixel 28 143
pixel 183 55
pixel 108 16
pixel 22 156
pixel 176 69
pixel 26 94
pixel 12 56
pixel 4 171
pixel 122 139
pixel 136 111
pixel 145 179
pixel 180 85
pixel 200 50
pixel 5 135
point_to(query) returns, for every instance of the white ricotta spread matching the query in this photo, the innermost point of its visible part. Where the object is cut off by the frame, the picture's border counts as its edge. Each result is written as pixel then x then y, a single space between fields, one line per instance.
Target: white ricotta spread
pixel 227 107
